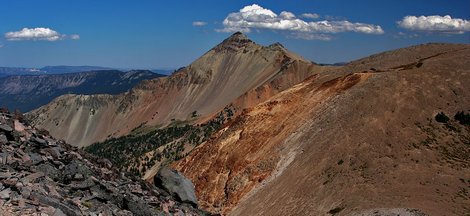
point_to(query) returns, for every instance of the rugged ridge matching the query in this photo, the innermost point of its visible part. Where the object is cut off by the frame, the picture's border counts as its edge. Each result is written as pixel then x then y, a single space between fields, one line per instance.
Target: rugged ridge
pixel 223 74
pixel 356 140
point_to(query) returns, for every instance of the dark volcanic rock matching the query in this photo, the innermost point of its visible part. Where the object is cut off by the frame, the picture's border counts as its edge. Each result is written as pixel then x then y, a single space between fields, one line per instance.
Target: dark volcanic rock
pixel 50 171
pixel 137 207
pixel 39 141
pixel 6 128
pixel 66 208
pixel 177 185
pixel 39 175
pixel 35 158
pixel 75 168
pixel 3 139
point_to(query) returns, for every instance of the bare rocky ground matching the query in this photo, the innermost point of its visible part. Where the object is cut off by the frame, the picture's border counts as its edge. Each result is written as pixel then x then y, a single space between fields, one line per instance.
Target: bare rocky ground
pixel 42 176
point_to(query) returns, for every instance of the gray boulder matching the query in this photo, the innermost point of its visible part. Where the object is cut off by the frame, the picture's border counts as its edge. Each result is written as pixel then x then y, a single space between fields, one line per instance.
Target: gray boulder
pixel 177 185
pixel 39 141
pixel 3 139
pixel 64 207
pixel 49 171
pixel 35 158
pixel 6 128
pixel 73 168
pixel 137 207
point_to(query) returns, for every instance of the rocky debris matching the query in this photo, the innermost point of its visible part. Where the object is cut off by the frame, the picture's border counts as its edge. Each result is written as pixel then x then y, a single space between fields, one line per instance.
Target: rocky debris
pixel 3 139
pixel 390 212
pixel 6 128
pixel 176 184
pixel 42 176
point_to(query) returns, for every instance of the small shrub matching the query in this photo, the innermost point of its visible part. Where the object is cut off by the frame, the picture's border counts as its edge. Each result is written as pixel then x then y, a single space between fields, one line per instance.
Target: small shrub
pixel 462 118
pixel 442 118
pixel 335 210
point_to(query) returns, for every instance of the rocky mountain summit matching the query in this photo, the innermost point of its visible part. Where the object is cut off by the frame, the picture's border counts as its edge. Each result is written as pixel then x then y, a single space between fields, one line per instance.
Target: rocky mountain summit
pixel 43 176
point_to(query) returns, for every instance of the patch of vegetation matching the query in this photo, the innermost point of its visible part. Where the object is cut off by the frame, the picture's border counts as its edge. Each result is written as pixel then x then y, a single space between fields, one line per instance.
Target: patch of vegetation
pixel 441 117
pixel 126 150
pixel 462 118
pixel 138 152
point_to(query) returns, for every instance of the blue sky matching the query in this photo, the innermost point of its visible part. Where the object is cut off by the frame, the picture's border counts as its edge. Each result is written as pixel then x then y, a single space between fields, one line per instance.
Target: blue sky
pixel 163 34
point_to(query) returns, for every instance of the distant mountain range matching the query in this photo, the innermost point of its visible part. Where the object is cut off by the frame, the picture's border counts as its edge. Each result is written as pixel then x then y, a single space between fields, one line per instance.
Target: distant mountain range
pixel 334 64
pixel 8 71
pixel 61 69
pixel 162 71
pixel 28 92
pixel 64 69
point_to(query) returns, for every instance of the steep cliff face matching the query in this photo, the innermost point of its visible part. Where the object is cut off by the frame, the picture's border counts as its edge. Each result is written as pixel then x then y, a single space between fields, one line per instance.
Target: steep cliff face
pixel 357 139
pixel 216 79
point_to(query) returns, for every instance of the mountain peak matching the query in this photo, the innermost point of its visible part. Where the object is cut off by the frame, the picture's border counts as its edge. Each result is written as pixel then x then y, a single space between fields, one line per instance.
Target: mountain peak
pixel 235 42
pixel 238 36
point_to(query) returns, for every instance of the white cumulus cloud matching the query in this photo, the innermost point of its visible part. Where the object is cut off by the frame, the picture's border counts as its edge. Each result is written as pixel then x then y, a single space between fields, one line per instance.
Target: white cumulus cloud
pixel 199 23
pixel 37 34
pixel 286 15
pixel 256 17
pixel 310 15
pixel 444 24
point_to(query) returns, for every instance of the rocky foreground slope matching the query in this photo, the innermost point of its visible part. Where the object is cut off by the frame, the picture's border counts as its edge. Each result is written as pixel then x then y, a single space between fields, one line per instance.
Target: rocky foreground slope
pixel 40 175
pixel 236 69
pixel 381 135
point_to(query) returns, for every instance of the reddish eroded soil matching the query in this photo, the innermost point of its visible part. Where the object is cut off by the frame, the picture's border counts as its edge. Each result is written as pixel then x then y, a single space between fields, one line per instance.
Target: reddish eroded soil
pixel 246 152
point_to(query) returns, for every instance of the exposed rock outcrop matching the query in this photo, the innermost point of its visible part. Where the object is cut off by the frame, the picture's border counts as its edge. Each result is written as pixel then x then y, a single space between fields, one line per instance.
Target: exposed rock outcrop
pixel 173 182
